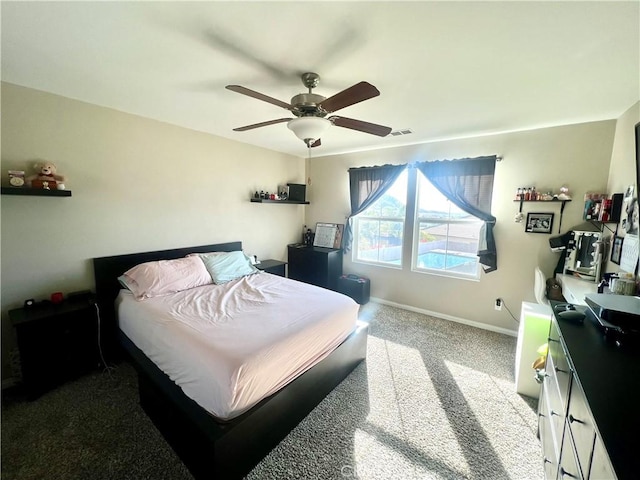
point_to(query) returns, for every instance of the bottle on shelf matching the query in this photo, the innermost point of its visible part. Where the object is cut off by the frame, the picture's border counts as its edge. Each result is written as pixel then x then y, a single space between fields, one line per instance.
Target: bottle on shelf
pixel 519 194
pixel 533 194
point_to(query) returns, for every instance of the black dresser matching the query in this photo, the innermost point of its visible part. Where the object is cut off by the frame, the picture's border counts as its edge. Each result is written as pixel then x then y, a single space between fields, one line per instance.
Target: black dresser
pixel 589 415
pixel 316 265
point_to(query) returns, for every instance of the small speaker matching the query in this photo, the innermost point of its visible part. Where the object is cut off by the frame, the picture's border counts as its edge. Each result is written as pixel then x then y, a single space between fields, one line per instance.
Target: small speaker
pixel 297 192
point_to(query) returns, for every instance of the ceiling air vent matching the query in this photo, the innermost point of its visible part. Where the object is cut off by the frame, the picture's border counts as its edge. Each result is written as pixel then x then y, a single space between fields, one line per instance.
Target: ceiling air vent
pixel 405 131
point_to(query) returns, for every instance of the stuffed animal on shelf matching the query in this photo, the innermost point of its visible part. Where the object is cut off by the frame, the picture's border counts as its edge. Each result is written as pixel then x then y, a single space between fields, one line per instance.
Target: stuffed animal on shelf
pixel 46 177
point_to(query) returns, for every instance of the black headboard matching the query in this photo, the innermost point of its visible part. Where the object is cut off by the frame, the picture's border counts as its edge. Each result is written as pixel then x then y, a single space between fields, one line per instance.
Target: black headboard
pixel 108 269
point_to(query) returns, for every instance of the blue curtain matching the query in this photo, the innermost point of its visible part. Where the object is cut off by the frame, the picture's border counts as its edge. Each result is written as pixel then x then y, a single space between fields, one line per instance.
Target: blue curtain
pixel 468 183
pixel 366 185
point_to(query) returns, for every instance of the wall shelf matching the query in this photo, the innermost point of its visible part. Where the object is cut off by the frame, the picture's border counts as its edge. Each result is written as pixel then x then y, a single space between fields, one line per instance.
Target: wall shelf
pixel 35 192
pixel 264 200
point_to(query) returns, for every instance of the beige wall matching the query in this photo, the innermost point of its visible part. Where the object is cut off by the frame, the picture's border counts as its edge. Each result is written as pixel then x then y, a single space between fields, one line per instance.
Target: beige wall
pixel 137 185
pixel 622 171
pixel 577 156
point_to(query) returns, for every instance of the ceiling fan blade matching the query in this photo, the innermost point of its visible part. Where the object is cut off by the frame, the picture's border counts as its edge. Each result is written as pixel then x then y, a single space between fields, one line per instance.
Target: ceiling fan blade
pixel 317 143
pixel 259 96
pixel 352 95
pixel 366 127
pixel 261 124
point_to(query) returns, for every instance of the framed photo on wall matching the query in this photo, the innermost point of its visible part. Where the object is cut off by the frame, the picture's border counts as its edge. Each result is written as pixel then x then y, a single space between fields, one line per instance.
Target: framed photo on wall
pixel 616 249
pixel 539 223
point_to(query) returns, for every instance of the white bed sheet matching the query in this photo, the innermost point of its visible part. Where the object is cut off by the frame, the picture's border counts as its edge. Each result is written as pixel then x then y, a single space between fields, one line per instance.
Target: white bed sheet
pixel 229 346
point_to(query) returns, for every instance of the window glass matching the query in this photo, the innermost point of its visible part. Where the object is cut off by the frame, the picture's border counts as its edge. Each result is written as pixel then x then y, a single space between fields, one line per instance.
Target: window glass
pixel 446 237
pixel 379 230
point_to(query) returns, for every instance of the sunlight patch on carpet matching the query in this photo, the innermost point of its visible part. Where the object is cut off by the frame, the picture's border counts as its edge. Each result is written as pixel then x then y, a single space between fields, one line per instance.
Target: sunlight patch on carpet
pixel 492 408
pixel 407 410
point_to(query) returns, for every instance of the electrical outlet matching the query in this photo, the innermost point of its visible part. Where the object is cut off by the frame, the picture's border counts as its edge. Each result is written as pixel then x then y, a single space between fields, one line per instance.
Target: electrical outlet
pixel 498 304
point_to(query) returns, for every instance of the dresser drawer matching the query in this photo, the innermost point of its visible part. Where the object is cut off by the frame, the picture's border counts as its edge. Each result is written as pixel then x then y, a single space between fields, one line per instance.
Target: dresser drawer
pixel 548 437
pixel 601 468
pixel 556 406
pixel 568 469
pixel 559 368
pixel 581 426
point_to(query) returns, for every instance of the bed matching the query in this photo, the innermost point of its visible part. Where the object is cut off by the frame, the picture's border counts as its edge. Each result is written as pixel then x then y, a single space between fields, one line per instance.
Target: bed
pixel 216 443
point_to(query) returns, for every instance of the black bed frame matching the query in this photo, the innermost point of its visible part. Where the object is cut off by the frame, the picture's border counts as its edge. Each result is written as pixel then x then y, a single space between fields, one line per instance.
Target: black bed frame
pixel 209 448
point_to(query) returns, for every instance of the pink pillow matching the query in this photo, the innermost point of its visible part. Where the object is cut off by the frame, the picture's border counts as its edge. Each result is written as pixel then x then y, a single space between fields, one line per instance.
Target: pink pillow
pixel 154 279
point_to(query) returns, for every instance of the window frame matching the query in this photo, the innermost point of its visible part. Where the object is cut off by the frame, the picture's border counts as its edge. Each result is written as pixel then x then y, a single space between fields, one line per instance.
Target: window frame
pixel 411 234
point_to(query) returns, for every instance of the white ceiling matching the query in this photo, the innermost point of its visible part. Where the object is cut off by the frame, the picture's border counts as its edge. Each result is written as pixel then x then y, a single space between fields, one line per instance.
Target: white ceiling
pixel 444 69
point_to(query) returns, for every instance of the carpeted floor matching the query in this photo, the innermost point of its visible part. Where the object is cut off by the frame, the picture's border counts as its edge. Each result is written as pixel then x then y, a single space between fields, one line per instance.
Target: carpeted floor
pixel 434 400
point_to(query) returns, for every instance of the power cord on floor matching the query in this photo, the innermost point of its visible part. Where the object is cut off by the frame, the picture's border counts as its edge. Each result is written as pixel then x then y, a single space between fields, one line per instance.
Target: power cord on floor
pixel 107 368
pixel 505 306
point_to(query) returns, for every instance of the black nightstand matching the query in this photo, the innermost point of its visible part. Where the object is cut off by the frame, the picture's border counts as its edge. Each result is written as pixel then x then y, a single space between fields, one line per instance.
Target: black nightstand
pixel 272 266
pixel 57 342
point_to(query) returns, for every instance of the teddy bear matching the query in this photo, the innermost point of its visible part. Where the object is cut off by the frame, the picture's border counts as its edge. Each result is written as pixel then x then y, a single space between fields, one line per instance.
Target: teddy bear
pixel 46 177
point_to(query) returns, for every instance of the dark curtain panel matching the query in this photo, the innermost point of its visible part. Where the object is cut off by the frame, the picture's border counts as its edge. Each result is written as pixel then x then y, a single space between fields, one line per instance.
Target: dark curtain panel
pixel 367 184
pixel 468 183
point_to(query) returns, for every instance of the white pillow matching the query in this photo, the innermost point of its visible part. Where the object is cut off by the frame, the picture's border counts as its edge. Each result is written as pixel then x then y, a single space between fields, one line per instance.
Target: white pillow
pixel 226 266
pixel 155 279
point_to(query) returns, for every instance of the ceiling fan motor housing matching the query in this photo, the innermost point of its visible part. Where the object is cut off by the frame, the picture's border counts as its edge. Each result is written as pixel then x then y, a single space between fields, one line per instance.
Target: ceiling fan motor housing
pixel 306 104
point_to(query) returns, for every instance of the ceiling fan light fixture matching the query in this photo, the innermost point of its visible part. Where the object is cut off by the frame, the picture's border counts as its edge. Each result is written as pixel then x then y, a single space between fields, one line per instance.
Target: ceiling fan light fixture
pixel 309 128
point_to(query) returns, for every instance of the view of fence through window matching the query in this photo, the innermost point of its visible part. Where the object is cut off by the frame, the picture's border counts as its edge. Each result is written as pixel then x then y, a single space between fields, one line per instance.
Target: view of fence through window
pixel 445 237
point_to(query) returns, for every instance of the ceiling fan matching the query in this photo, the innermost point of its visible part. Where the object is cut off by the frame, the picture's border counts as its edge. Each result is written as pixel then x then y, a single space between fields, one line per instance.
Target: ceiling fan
pixel 310 110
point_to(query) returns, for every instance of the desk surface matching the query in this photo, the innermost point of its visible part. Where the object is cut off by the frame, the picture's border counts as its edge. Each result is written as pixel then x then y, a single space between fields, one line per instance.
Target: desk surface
pixel 574 289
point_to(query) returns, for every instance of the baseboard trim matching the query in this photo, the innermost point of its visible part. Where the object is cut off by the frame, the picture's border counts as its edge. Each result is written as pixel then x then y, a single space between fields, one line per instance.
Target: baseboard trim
pixel 444 316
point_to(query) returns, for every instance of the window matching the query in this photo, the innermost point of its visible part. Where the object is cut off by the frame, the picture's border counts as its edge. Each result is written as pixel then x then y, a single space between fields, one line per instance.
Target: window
pixel 445 237
pixel 444 240
pixel 379 230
